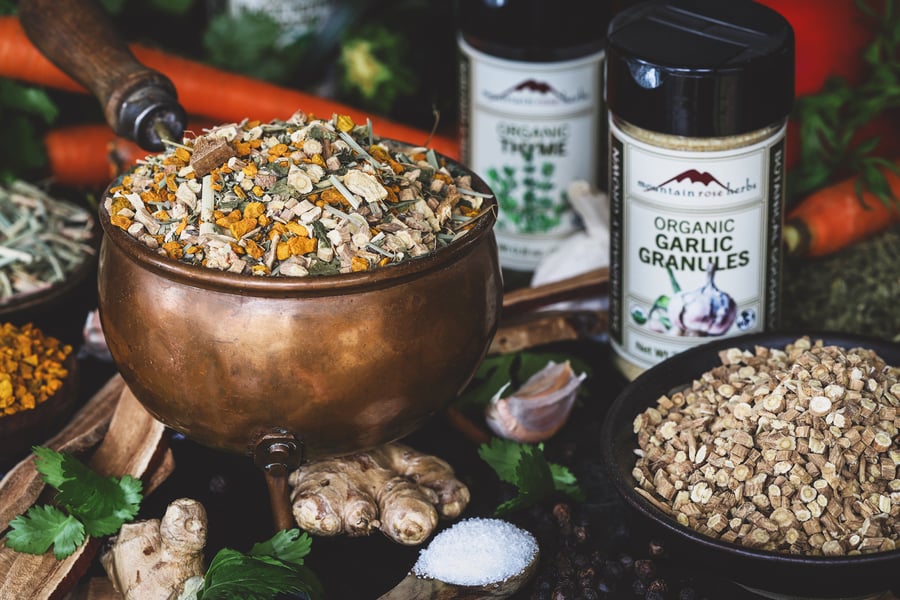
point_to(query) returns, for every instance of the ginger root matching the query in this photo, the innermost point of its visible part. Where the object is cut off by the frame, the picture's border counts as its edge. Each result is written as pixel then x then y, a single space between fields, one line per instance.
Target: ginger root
pixel 393 488
pixel 153 559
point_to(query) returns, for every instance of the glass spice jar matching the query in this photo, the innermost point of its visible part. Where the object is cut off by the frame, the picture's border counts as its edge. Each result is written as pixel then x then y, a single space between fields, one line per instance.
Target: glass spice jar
pixel 698 94
pixel 531 116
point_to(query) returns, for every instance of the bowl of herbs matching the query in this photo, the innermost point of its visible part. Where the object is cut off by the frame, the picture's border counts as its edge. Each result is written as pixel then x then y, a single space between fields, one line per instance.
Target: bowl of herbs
pixel 48 261
pixel 770 459
pixel 300 278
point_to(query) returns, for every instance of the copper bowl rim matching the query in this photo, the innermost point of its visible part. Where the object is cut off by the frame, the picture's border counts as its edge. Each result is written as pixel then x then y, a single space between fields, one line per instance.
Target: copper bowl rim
pixel 310 286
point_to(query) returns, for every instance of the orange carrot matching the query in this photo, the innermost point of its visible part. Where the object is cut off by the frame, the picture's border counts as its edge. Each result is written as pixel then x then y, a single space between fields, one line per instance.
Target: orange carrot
pixel 206 91
pixel 87 156
pixel 835 217
pixel 90 155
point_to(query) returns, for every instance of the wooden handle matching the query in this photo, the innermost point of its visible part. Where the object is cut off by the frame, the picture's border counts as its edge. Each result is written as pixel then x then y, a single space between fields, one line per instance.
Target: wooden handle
pixel 77 36
pixel 593 282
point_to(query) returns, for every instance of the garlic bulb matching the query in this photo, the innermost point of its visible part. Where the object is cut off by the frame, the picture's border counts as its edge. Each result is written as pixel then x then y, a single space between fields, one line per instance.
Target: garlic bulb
pixel 704 311
pixel 537 410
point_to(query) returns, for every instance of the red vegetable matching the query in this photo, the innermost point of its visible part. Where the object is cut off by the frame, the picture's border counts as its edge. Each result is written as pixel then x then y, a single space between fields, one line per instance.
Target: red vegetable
pixel 835 217
pixel 207 91
pixel 829 38
pixel 829 42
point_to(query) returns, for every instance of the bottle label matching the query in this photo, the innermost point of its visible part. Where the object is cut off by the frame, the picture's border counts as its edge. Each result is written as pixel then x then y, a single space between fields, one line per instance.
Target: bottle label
pixel 296 18
pixel 695 245
pixel 529 130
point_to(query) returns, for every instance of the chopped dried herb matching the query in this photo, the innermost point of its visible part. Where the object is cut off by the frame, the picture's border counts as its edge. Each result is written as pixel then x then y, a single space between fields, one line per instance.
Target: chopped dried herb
pixel 42 240
pixel 853 291
pixel 294 198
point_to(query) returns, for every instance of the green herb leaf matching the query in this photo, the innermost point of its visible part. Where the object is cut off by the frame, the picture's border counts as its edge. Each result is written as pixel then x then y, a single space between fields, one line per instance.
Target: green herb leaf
pixel 248 43
pixel 25 111
pixel 526 467
pixel 236 576
pixel 42 527
pixel 288 546
pixel 830 121
pixel 29 100
pixel 503 456
pixel 49 463
pixel 96 505
pixel 101 503
pixel 373 66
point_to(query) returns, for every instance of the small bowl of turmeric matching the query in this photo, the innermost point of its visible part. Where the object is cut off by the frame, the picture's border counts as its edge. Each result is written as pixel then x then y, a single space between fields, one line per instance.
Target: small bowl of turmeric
pixel 38 388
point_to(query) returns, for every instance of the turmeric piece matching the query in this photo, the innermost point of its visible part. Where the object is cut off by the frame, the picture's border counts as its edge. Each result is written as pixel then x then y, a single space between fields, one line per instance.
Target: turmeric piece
pixel 393 488
pixel 31 367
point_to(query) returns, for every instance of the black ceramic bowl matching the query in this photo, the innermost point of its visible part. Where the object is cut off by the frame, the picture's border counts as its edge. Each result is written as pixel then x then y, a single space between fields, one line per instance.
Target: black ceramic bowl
pixel 766 573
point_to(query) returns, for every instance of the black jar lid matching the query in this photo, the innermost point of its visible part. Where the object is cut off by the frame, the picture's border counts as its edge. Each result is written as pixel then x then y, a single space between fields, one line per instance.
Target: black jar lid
pixel 534 30
pixel 700 68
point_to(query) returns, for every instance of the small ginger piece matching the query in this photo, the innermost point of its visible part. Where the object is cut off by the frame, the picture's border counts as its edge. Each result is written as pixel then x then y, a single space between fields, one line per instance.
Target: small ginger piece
pixel 153 559
pixel 393 488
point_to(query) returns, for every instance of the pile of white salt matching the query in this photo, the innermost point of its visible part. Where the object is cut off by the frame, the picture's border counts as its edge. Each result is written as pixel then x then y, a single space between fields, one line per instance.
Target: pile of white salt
pixel 477 552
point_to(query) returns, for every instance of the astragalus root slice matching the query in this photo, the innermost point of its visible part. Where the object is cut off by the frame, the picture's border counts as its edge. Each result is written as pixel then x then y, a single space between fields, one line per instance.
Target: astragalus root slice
pixel 537 410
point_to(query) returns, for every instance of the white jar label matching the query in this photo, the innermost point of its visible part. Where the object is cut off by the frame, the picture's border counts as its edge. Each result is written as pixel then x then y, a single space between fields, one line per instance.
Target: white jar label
pixel 695 244
pixel 529 130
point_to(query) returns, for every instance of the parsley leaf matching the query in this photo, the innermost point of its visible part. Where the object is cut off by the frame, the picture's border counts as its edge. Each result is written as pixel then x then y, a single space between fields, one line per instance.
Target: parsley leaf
pixel 104 504
pixel 44 526
pixel 101 503
pixel 89 504
pixel 270 568
pixel 289 546
pixel 526 467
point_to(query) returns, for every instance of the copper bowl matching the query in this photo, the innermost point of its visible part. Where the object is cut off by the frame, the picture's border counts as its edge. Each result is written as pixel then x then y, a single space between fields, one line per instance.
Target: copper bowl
pixel 342 362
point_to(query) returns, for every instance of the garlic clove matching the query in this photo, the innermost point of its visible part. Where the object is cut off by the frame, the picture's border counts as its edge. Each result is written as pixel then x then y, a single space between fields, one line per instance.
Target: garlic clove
pixel 537 410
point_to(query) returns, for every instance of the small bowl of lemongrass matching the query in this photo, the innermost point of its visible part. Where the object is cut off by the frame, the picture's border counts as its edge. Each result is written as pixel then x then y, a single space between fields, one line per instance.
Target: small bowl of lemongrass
pixel 48 261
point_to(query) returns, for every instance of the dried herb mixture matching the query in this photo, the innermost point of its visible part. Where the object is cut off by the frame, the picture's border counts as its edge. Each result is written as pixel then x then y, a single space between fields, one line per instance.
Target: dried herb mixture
pixel 788 450
pixel 853 291
pixel 294 198
pixel 42 240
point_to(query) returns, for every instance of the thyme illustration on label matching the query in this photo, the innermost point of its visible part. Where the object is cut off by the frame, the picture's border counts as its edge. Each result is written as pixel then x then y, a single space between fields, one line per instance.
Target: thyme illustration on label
pixel 526 203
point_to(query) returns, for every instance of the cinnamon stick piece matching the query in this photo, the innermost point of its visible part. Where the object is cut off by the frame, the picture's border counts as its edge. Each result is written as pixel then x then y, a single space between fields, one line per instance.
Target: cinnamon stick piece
pixel 132 445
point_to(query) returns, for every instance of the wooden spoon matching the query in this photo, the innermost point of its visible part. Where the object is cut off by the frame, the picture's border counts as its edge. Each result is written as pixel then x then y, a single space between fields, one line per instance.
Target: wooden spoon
pixel 476 542
pixel 415 587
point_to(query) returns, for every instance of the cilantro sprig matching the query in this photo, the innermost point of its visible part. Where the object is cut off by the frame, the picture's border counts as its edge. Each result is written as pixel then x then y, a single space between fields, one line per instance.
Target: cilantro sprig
pixel 86 503
pixel 526 467
pixel 270 568
pixel 831 119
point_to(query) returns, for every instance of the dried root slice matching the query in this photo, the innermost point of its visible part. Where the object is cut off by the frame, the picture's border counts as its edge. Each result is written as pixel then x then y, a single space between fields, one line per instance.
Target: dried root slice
pixel 539 408
pixel 153 559
pixel 393 488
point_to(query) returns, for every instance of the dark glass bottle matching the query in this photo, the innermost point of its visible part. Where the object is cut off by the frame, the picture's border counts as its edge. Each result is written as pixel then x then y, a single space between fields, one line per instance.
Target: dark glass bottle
pixel 531 115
